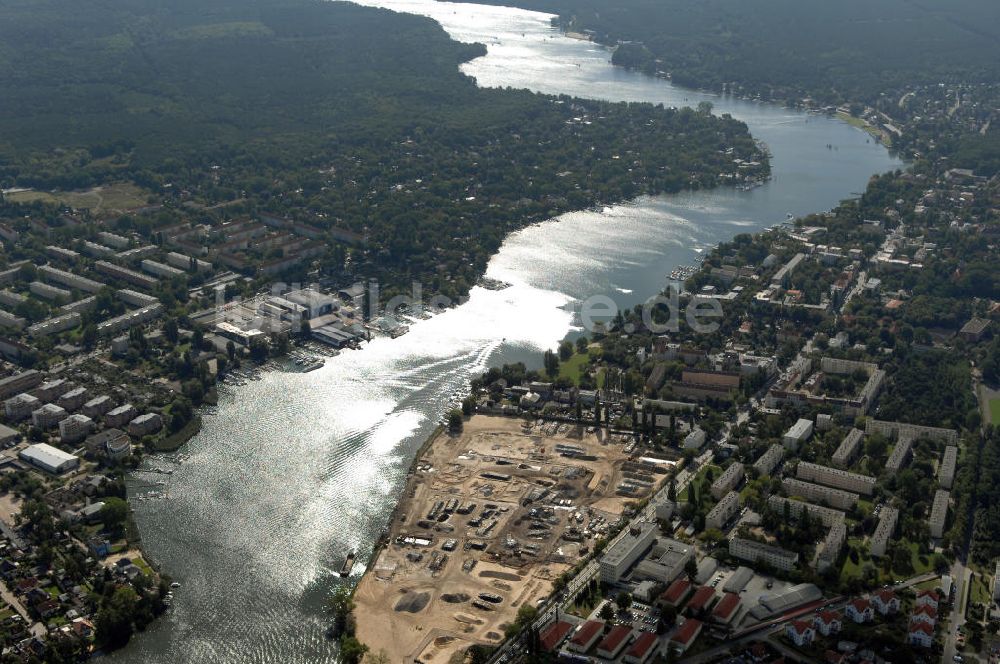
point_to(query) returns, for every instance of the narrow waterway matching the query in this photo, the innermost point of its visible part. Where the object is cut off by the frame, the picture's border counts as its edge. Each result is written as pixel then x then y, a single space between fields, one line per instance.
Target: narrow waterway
pixel 292 471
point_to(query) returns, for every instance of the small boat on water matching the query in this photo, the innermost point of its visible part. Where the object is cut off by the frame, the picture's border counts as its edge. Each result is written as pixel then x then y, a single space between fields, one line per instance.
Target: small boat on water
pixel 348 565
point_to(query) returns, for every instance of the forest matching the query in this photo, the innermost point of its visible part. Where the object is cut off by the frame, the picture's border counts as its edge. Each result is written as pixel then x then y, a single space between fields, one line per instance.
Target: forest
pixel 850 50
pixel 336 114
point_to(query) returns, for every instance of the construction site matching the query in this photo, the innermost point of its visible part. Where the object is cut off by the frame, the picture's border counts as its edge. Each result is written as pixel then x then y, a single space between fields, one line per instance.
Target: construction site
pixel 488 520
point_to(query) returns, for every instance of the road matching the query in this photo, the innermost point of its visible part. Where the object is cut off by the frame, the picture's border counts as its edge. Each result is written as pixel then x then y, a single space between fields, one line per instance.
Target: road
pixel 962 579
pixel 959 570
pixel 36 629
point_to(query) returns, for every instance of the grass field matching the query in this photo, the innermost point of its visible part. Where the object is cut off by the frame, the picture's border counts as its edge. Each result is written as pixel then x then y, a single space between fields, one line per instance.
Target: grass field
pixel 980 589
pixel 884 136
pixel 572 368
pixel 922 564
pixel 122 196
pixel 995 411
pixel 700 483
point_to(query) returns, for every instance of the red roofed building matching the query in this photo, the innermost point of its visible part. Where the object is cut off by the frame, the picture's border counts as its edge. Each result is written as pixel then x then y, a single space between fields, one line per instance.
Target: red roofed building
pixel 828 622
pixel 727 607
pixel 920 634
pixel 685 635
pixel 614 642
pixel 676 594
pixel 801 632
pixel 702 597
pixel 927 597
pixel 860 611
pixel 553 635
pixel 924 613
pixel 644 647
pixel 586 636
pixel 885 601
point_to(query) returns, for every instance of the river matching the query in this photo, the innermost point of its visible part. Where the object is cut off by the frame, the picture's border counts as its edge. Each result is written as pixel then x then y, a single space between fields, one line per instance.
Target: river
pixel 292 471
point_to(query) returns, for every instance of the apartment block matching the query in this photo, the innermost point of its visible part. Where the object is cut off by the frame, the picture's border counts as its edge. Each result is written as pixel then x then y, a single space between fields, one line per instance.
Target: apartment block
pixel 939 513
pixel 833 544
pixel 160 270
pixel 900 455
pixel 48 416
pixel 20 382
pixel 799 433
pixel 126 275
pixel 826 515
pixel 769 460
pixel 946 471
pixel 623 553
pixel 130 319
pixel 835 477
pixel 49 292
pixel 817 493
pixel 753 552
pixel 884 530
pixel 55 325
pixel 723 511
pixel 911 431
pixel 70 280
pixel 120 416
pixel 11 321
pixel 848 448
pixel 728 480
pixel 19 407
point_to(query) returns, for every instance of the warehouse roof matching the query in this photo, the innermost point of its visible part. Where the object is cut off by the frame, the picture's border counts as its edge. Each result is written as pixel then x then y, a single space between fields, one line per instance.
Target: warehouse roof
pixel 46 455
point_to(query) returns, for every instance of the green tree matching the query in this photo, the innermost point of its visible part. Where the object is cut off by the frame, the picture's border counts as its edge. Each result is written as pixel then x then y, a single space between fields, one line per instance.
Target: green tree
pixel 171 331
pixel 114 514
pixel 551 362
pixel 607 612
pixel 351 650
pixel 113 623
pixel 456 421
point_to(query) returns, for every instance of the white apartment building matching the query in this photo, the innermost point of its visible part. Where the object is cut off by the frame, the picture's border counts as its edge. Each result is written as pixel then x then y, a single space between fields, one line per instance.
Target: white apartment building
pixel 723 511
pixel 817 493
pixel 900 454
pixel 946 471
pixel 799 433
pixel 912 431
pixel 884 530
pixel 753 552
pixel 826 515
pixel 728 480
pixel 75 428
pixel 69 279
pixel 48 416
pixel 835 477
pixel 144 425
pixel 160 270
pixel 939 513
pixel 626 551
pixel 833 544
pixel 848 448
pixel 769 460
pixel 19 407
pixel 55 325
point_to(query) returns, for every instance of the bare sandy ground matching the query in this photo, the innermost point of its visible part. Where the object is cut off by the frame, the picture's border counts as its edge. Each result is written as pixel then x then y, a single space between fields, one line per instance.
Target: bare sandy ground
pixel 414 603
